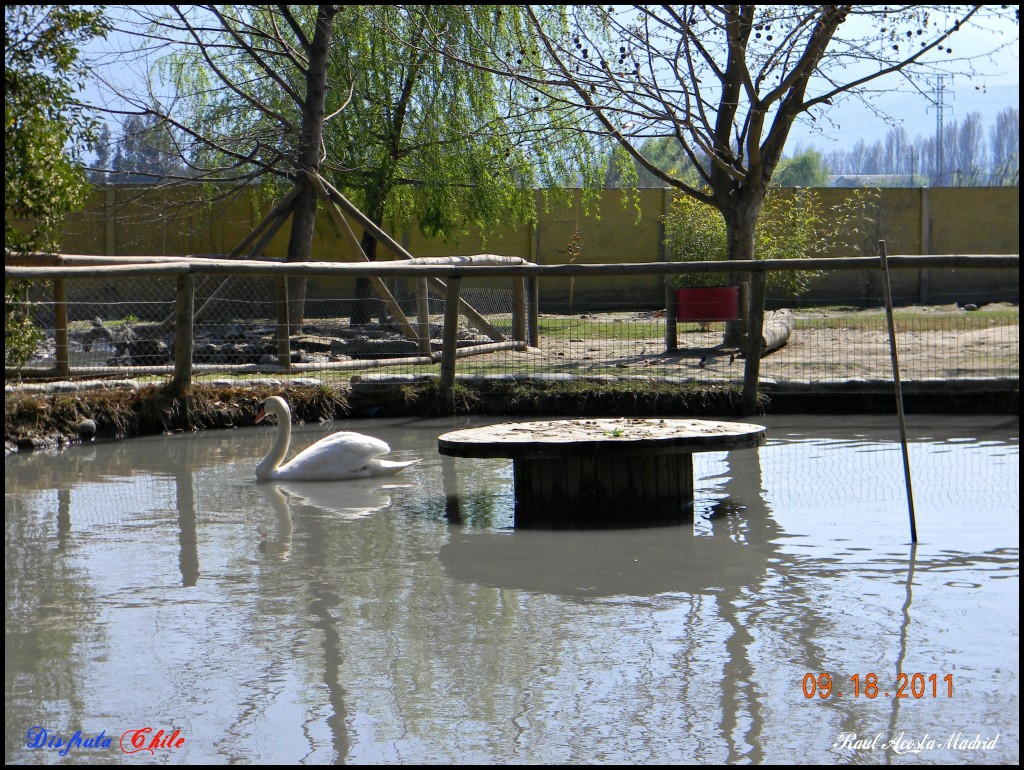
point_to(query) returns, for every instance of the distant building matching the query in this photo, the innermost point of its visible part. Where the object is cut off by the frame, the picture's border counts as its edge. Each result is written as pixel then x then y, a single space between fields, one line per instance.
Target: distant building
pixel 872 180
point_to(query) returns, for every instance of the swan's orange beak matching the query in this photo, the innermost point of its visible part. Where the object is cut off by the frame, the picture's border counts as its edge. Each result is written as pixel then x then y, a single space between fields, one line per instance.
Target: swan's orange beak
pixel 260 414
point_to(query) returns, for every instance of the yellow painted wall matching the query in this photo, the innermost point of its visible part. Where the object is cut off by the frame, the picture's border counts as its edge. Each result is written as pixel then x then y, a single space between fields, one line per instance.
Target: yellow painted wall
pixel 941 221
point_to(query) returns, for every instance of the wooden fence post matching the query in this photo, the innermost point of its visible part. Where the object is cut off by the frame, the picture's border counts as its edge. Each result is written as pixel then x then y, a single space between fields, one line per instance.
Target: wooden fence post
pixel 752 349
pixel 532 311
pixel 744 285
pixel 183 311
pixel 450 344
pixel 423 314
pixel 518 308
pixel 60 326
pixel 671 315
pixel 284 353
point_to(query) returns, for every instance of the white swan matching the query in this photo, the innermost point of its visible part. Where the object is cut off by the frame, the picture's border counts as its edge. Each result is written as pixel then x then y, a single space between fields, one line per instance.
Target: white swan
pixel 334 458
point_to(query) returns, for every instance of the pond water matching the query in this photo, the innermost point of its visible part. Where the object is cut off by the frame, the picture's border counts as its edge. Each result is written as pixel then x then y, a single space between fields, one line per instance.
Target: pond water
pixel 152 583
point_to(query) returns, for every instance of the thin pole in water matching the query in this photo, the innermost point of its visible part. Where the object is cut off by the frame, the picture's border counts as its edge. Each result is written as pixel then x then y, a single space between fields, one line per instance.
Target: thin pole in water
pixel 898 388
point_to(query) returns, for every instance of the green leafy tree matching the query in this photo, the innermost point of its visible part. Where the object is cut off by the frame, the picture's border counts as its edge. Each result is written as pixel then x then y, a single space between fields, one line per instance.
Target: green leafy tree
pixel 430 143
pixel 624 171
pixel 804 170
pixel 794 224
pixel 46 132
pixel 695 232
pixel 358 95
pixel 145 153
pixel 245 97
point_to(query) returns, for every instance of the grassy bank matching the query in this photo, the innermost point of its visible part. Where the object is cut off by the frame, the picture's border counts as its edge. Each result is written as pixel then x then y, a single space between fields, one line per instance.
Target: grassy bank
pixel 37 420
pixel 33 421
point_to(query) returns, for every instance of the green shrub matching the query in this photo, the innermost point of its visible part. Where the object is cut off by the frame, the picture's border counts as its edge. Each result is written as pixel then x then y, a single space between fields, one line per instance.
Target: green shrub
pixel 793 224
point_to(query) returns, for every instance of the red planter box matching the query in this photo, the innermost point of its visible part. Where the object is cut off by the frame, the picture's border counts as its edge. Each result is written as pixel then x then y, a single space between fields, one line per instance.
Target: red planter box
pixel 717 303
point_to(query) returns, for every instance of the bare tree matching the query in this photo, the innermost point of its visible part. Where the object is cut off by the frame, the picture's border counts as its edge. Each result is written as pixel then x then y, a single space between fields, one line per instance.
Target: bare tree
pixel 928 162
pixel 727 83
pixel 1004 145
pixel 969 152
pixel 897 148
pixel 973 160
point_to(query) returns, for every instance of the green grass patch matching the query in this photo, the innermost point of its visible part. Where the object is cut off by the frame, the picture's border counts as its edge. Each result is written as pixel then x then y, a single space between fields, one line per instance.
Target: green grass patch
pixel 581 397
pixel 595 328
pixel 909 318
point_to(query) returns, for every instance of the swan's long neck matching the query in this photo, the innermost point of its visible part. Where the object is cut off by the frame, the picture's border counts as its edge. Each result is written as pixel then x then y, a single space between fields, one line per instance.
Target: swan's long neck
pixel 267 469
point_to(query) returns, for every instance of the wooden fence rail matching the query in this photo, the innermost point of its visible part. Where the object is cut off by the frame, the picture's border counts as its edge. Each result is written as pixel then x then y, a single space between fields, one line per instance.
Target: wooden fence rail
pixel 444 276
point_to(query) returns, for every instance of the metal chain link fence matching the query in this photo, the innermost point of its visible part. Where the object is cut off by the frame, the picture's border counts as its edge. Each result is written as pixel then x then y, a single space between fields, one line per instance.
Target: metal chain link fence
pixel 124 327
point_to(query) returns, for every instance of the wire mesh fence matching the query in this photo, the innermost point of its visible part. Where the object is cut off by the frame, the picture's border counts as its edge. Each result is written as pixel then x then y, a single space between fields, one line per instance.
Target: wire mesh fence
pixel 124 327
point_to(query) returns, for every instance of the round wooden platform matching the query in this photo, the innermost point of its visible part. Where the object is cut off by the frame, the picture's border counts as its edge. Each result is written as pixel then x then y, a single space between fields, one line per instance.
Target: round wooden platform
pixel 617 472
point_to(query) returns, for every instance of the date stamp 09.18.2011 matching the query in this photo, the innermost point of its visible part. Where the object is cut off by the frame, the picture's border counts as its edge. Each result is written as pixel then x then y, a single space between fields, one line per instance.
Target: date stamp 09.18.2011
pixel 915 686
pixel 908 686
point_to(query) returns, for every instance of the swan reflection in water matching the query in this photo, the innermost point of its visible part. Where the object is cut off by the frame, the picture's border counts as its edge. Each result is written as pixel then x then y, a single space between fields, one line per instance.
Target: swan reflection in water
pixel 349 501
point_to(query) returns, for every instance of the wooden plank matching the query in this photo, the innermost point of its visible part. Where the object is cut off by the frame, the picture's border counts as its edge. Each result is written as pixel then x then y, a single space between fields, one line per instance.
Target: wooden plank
pixel 101 267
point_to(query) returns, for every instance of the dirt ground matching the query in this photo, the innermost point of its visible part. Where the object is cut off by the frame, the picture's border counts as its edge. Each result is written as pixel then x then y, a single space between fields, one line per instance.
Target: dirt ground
pixel 943 342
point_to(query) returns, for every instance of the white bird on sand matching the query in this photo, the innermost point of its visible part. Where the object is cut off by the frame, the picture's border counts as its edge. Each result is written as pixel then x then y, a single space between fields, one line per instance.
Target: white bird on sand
pixel 337 457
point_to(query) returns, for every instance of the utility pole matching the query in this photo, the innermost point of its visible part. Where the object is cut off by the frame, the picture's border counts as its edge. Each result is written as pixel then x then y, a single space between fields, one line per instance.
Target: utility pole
pixel 913 157
pixel 939 103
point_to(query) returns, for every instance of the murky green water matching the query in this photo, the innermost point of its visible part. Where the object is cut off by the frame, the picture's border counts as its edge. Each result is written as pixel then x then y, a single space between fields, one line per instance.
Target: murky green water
pixel 154 584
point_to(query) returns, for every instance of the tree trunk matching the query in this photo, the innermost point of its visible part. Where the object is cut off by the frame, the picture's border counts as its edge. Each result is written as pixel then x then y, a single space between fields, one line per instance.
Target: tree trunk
pixel 299 246
pixel 740 220
pixel 300 242
pixel 366 304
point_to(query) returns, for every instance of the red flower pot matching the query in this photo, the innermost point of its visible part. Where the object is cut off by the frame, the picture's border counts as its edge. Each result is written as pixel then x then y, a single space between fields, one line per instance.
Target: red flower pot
pixel 715 303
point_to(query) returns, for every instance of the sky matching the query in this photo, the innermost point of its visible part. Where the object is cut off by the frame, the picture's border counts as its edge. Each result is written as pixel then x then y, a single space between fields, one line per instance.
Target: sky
pixel 995 88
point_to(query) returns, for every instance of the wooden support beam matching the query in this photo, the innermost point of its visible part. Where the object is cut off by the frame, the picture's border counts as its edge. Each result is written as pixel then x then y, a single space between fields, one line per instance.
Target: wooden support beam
pixel 280 211
pixel 378 285
pixel 396 248
pixel 533 312
pixel 364 221
pixel 468 311
pixel 270 233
